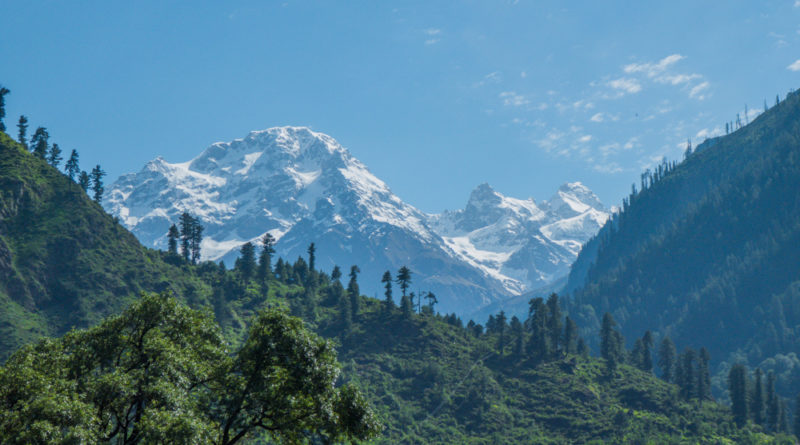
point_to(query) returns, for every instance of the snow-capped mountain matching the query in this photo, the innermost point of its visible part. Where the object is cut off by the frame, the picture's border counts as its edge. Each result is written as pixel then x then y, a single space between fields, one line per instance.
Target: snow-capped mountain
pixel 303 187
pixel 520 243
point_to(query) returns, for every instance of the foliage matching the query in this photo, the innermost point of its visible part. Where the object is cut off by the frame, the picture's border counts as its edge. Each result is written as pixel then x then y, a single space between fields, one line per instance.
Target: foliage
pixel 431 379
pixel 706 253
pixel 159 373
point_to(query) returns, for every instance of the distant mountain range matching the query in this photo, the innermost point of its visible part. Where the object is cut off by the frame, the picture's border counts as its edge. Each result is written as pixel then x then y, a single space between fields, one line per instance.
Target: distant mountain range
pixel 302 187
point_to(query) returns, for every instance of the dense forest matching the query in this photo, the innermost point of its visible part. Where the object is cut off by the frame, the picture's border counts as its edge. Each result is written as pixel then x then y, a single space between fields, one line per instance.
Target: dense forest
pixel 705 251
pixel 70 270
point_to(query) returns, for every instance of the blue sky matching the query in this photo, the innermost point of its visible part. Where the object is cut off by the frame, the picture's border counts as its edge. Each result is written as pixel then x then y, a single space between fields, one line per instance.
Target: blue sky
pixel 435 97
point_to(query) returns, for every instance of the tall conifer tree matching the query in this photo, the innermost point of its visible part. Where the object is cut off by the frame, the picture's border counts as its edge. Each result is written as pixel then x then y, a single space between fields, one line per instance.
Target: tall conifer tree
pixel 84 181
pixel 39 142
pixel 388 303
pixel 97 183
pixel 22 131
pixel 71 166
pixel 353 291
pixel 666 359
pixel 3 92
pixel 172 239
pixel 246 263
pixel 737 385
pixel 54 155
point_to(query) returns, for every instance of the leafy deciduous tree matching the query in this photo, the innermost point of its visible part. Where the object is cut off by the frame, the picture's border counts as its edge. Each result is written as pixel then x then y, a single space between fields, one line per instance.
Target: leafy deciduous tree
pixel 159 373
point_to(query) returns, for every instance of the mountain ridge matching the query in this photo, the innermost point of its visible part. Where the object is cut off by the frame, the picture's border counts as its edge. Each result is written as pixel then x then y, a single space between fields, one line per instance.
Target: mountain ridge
pixel 302 186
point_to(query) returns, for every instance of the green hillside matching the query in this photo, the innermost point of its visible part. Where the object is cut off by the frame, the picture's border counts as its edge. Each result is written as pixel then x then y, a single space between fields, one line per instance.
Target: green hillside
pixel 707 251
pixel 431 379
pixel 64 262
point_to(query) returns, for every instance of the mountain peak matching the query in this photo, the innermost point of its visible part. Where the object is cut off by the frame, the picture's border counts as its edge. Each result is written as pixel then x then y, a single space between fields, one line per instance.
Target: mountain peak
pixel 484 195
pixel 574 198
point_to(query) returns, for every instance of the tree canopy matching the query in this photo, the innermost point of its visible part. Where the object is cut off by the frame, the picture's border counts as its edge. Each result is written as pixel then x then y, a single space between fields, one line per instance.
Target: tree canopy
pixel 160 373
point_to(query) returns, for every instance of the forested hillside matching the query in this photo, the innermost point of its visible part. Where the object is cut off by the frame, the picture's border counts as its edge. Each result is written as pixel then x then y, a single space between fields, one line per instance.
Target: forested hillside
pixel 64 262
pixel 706 251
pixel 431 378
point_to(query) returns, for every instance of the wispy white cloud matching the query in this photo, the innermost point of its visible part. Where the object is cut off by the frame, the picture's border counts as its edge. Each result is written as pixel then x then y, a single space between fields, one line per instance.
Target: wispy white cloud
pixel 626 85
pixel 663 72
pixel 608 168
pixel 697 91
pixel 603 117
pixel 795 66
pixel 511 98
pixel 677 79
pixel 433 36
pixel 585 138
pixel 493 77
pixel 653 69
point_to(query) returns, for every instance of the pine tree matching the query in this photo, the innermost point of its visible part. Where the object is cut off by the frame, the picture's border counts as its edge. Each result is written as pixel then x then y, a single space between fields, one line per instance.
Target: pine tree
pixel 539 345
pixel 757 399
pixel 3 92
pixel 637 354
pixel 84 181
pixel 246 263
pixel 353 291
pixel 570 336
pixel 280 270
pixel 336 274
pixel 388 303
pixel 345 313
pixel 187 225
pixel 685 377
pixel 666 359
pixel 773 408
pixel 517 332
pixel 312 259
pixel 501 320
pixel 172 239
pixel 71 166
pixel 404 279
pixel 97 183
pixel 196 240
pixel 22 130
pixel 406 307
pixel 610 347
pixel 703 375
pixel 54 155
pixel 265 258
pixel 647 355
pixel 737 386
pixel 39 142
pixel 554 324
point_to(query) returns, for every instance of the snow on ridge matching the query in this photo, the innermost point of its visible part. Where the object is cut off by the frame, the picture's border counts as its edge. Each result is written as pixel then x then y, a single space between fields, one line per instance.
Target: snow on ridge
pixel 516 241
